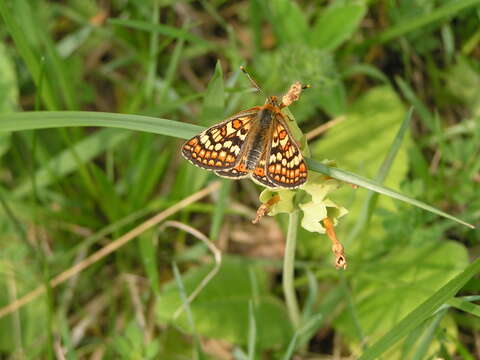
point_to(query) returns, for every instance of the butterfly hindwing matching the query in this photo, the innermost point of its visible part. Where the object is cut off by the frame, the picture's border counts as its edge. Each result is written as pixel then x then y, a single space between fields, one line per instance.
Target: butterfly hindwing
pixel 237 172
pixel 285 166
pixel 219 147
pixel 259 174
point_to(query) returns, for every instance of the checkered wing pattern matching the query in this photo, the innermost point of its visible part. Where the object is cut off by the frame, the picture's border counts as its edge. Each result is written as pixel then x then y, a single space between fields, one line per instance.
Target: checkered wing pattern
pixel 259 174
pixel 238 172
pixel 219 147
pixel 285 167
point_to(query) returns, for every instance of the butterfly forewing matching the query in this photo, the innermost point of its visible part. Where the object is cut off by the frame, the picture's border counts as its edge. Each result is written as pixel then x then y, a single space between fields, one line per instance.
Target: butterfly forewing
pixel 219 147
pixel 285 166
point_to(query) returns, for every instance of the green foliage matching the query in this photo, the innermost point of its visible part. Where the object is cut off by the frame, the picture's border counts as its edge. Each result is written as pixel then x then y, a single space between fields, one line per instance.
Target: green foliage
pixel 8 93
pixel 403 280
pixel 222 307
pixel 131 345
pixel 335 24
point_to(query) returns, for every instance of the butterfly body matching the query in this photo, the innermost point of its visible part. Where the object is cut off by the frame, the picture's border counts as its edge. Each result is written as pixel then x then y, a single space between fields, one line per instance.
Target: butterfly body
pixel 256 143
pixel 260 137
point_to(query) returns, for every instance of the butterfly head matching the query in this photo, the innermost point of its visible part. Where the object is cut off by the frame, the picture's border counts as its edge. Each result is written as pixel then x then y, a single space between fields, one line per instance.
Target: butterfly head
pixel 272 100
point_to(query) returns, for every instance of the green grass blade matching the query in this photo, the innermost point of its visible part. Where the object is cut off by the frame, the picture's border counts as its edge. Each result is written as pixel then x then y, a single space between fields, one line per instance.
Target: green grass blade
pixel 44 119
pixel 32 60
pixel 428 336
pixel 171 71
pixel 446 11
pixel 291 347
pixel 64 163
pixel 152 54
pixel 422 312
pixel 466 305
pixel 252 331
pixel 413 99
pixel 55 119
pixel 162 29
pixel 305 332
pixel 148 253
pixel 181 289
pixel 371 198
pixel 220 208
pixel 355 179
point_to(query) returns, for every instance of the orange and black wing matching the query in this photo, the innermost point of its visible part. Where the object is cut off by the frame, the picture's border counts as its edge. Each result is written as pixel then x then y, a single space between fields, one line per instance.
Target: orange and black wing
pixel 219 147
pixel 238 172
pixel 285 166
pixel 259 174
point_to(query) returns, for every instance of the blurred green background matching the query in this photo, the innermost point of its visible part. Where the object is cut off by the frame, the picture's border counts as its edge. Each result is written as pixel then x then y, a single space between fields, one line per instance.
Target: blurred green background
pixel 409 291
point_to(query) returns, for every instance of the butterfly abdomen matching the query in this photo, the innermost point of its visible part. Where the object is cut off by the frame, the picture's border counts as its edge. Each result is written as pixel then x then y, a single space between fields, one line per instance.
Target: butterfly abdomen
pixel 257 146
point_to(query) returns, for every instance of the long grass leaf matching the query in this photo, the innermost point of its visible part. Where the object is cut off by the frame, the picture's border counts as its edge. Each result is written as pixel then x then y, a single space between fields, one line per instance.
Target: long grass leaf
pixel 30 120
pixel 52 119
pixel 422 312
pixel 355 179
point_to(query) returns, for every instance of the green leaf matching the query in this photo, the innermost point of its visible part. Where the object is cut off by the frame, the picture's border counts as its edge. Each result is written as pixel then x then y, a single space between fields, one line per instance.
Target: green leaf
pixel 221 310
pixel 423 311
pixel 408 274
pixel 379 112
pixel 174 345
pixel 336 24
pixel 361 141
pixel 370 201
pixel 287 20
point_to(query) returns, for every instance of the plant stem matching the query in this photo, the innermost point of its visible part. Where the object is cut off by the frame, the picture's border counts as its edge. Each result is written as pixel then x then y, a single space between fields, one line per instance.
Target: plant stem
pixel 288 270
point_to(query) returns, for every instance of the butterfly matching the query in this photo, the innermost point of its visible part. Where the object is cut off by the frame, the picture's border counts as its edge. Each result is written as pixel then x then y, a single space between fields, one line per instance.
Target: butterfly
pixel 254 143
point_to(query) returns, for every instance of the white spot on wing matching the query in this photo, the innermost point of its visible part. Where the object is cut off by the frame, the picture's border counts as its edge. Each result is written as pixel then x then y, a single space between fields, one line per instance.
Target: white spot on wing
pixel 235 149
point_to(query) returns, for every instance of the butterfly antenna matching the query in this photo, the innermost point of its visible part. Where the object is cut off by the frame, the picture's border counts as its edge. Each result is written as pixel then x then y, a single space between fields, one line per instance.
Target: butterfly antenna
pixel 255 85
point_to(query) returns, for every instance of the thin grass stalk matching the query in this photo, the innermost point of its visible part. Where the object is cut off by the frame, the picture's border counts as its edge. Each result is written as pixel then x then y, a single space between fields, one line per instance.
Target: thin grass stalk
pixel 288 270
